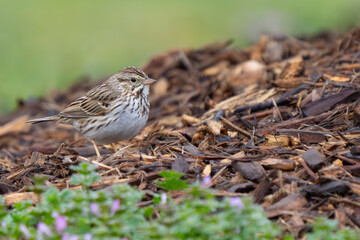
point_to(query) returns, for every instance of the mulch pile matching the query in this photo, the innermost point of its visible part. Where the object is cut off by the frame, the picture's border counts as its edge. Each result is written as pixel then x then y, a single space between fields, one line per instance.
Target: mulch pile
pixel 278 120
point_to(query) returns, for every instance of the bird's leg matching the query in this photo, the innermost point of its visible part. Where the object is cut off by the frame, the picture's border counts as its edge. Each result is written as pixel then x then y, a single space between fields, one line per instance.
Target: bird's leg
pixel 96 148
pixel 113 147
pixel 59 149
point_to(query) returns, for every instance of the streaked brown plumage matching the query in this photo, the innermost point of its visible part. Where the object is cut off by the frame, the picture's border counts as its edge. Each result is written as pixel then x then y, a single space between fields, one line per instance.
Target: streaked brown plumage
pixel 113 111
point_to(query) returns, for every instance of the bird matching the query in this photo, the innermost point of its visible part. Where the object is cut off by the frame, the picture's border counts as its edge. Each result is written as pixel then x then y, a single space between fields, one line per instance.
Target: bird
pixel 113 111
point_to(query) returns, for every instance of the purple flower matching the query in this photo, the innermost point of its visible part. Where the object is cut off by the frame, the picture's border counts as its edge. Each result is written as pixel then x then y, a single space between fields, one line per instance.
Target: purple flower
pixel 60 224
pixel 206 182
pixel 3 224
pixel 88 236
pixel 74 237
pixel 43 228
pixel 115 206
pixel 66 236
pixel 163 198
pixel 54 214
pixel 25 231
pixel 95 209
pixel 236 202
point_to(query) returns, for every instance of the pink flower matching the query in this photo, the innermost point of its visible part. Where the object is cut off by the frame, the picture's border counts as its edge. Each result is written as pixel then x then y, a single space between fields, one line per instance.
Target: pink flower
pixel 236 202
pixel 115 206
pixel 163 198
pixel 95 209
pixel 206 182
pixel 74 237
pixel 43 228
pixel 54 214
pixel 25 231
pixel 88 236
pixel 66 236
pixel 60 224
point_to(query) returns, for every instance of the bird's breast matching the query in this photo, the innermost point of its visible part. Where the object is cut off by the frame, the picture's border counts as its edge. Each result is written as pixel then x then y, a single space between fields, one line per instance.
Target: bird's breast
pixel 122 122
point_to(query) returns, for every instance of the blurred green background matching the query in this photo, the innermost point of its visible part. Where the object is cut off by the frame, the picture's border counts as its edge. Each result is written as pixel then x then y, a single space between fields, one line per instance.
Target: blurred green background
pixel 50 44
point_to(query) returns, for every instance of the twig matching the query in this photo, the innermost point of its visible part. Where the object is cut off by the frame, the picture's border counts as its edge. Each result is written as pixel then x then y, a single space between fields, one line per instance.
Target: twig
pixel 280 100
pixel 230 124
pixel 100 164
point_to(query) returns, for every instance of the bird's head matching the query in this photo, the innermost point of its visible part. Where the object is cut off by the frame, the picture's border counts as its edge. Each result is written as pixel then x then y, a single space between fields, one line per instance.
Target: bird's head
pixel 131 79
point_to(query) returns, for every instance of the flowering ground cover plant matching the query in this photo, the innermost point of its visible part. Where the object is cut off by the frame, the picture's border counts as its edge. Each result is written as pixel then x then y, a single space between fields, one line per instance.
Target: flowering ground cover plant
pixel 114 214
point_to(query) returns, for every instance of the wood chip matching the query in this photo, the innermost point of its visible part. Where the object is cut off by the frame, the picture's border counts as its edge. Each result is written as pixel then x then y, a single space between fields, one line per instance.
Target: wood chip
pixel 252 171
pixel 314 159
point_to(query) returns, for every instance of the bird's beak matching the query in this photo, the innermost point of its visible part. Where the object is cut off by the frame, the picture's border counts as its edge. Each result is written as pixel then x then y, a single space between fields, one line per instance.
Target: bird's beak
pixel 149 81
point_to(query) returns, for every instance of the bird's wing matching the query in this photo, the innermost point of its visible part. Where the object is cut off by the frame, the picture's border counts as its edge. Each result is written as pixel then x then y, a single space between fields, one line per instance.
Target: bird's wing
pixel 93 103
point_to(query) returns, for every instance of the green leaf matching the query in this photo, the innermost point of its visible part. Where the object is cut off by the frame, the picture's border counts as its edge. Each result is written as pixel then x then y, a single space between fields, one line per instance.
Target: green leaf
pixel 86 175
pixel 84 168
pixel 172 181
pixel 157 199
pixel 148 211
pixel 171 174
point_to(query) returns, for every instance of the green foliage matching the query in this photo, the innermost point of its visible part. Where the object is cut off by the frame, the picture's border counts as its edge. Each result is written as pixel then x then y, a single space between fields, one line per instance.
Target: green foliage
pixel 113 214
pixel 86 175
pixel 328 229
pixel 199 218
pixel 172 181
pixel 39 186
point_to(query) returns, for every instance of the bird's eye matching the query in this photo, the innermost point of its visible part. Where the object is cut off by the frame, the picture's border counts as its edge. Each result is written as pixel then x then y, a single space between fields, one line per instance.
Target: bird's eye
pixel 133 79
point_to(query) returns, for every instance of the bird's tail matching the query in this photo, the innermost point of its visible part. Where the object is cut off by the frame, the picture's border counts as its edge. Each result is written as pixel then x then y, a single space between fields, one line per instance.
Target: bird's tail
pixel 44 119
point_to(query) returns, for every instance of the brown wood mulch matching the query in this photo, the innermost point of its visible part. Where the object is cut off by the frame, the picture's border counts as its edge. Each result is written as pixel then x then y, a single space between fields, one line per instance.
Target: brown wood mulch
pixel 278 121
